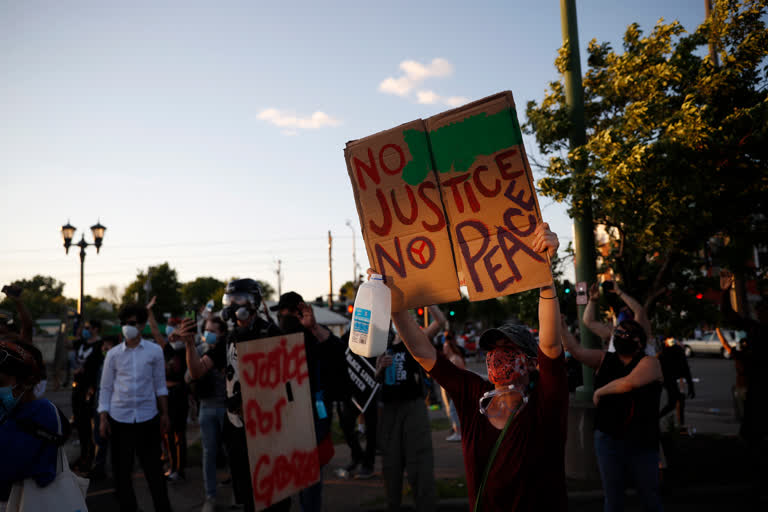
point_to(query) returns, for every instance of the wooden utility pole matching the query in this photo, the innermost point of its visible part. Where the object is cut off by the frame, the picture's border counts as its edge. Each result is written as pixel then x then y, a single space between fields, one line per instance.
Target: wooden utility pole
pixel 330 271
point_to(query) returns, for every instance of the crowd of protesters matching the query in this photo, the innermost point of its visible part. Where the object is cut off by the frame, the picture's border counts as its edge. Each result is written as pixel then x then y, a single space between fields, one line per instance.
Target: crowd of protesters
pixel 133 396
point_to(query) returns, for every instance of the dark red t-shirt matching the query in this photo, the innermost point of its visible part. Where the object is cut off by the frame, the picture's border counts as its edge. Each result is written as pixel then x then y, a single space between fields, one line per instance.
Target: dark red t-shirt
pixel 529 470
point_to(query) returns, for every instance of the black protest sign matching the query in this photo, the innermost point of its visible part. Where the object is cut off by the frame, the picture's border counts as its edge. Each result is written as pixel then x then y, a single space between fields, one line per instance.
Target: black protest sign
pixel 363 377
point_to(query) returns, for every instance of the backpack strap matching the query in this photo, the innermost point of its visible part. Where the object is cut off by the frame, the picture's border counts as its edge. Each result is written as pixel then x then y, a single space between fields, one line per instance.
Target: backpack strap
pixel 39 432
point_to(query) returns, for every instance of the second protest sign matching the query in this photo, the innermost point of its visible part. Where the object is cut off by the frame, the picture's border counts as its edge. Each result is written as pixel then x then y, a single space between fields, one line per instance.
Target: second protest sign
pixel 277 409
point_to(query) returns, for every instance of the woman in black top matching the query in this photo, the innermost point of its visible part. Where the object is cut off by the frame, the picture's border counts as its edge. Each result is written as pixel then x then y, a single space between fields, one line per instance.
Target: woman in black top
pixel 628 387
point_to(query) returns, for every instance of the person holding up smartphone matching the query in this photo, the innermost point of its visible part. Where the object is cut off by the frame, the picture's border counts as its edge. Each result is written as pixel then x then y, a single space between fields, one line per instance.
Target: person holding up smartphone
pixel 633 311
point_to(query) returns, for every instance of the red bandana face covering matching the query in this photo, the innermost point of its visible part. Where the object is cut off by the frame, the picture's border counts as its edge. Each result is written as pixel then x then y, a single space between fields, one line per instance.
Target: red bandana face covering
pixel 507 365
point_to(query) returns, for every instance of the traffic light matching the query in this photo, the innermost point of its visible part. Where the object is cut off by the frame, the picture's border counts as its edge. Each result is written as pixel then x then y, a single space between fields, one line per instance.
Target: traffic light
pixel 350 308
pixel 420 311
pixel 567 286
pixel 699 296
pixel 452 313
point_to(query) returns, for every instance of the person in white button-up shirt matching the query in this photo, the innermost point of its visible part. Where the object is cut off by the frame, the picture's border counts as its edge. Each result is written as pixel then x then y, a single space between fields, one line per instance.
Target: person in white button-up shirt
pixel 132 393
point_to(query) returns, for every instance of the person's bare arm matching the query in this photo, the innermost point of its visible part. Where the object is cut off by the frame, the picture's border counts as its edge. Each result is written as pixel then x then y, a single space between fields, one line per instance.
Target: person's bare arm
pixel 726 346
pixel 153 324
pixel 549 307
pixel 590 321
pixel 415 340
pixel 309 321
pixel 24 317
pixel 437 324
pixel 641 315
pixel 162 405
pixel 588 356
pixel 646 371
pixel 382 363
pixel 197 366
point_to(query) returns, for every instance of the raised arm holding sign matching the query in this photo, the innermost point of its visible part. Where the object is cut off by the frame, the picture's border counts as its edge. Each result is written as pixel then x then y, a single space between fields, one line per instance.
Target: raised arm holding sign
pixel 512 428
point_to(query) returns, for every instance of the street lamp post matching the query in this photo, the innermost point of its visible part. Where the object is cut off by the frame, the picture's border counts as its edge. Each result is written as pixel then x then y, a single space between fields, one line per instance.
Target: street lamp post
pixel 67 233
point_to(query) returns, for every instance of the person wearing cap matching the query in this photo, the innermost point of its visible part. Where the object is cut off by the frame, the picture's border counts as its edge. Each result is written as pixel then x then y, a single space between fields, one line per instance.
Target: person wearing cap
pixel 241 303
pixel 23 417
pixel 328 378
pixel 628 385
pixel 524 406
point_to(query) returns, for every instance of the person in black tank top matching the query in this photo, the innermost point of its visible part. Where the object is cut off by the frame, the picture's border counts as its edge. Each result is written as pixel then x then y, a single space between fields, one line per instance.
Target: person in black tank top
pixel 628 387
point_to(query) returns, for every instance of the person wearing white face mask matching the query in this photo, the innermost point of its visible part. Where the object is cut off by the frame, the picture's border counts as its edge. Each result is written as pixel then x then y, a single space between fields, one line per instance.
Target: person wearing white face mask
pixel 210 387
pixel 133 408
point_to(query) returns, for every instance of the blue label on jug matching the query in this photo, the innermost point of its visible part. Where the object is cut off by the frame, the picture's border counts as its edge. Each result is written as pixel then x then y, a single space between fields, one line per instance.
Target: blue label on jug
pixel 362 320
pixel 361 323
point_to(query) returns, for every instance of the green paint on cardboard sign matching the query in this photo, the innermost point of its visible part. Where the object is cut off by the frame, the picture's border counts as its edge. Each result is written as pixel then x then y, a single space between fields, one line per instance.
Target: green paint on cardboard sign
pixel 457 145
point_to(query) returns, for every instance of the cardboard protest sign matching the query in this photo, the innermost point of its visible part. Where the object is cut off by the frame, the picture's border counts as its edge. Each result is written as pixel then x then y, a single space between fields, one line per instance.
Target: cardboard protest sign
pixel 485 205
pixel 403 220
pixel 363 376
pixel 277 409
pixel 489 197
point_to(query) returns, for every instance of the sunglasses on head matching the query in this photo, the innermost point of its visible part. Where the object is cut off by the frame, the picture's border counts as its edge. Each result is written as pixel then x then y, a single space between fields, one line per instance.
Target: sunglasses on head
pixel 13 352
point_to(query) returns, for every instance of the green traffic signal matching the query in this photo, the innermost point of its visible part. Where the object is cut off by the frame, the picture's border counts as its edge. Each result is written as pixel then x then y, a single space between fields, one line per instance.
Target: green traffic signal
pixel 452 313
pixel 567 290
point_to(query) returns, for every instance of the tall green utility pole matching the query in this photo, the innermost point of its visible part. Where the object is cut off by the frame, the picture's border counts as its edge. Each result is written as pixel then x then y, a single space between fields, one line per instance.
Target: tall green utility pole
pixel 584 231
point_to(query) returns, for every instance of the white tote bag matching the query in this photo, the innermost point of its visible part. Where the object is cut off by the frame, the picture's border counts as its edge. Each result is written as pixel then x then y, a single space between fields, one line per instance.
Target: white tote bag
pixel 65 494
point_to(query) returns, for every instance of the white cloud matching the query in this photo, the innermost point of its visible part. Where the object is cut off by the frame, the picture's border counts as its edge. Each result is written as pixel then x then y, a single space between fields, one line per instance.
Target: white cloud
pixel 415 73
pixel 418 72
pixel 292 122
pixel 427 97
pixel 431 98
pixel 399 86
pixel 455 101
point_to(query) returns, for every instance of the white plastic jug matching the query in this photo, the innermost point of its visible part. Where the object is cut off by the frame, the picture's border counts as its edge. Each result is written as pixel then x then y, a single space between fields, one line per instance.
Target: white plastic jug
pixel 369 330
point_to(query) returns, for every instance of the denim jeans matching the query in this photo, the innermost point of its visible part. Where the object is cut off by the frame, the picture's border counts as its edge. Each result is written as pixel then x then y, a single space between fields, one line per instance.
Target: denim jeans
pixel 621 460
pixel 211 425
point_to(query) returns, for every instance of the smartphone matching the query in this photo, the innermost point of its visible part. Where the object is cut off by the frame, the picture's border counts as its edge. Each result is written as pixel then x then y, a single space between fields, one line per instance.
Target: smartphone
pixel 581 293
pixel 191 315
pixel 607 286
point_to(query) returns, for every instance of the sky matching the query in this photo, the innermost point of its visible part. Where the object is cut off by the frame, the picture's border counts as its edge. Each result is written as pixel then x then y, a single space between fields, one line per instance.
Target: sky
pixel 210 134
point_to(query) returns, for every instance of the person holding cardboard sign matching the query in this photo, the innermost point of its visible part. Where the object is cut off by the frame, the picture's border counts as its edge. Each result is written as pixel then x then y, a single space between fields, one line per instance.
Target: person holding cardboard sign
pixel 513 428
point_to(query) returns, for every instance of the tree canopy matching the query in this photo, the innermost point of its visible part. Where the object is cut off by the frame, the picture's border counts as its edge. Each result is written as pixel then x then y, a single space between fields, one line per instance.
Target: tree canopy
pixel 676 149
pixel 164 284
pixel 198 292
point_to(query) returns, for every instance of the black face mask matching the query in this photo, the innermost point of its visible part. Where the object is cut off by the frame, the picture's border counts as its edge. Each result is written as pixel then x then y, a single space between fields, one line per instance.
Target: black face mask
pixel 625 345
pixel 290 324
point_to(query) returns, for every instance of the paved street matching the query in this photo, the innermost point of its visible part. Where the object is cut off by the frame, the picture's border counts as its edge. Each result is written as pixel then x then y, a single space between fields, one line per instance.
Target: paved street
pixel 711 412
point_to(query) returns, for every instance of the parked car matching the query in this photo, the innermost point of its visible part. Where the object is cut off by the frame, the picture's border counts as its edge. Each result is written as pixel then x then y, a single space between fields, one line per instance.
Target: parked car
pixel 710 343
